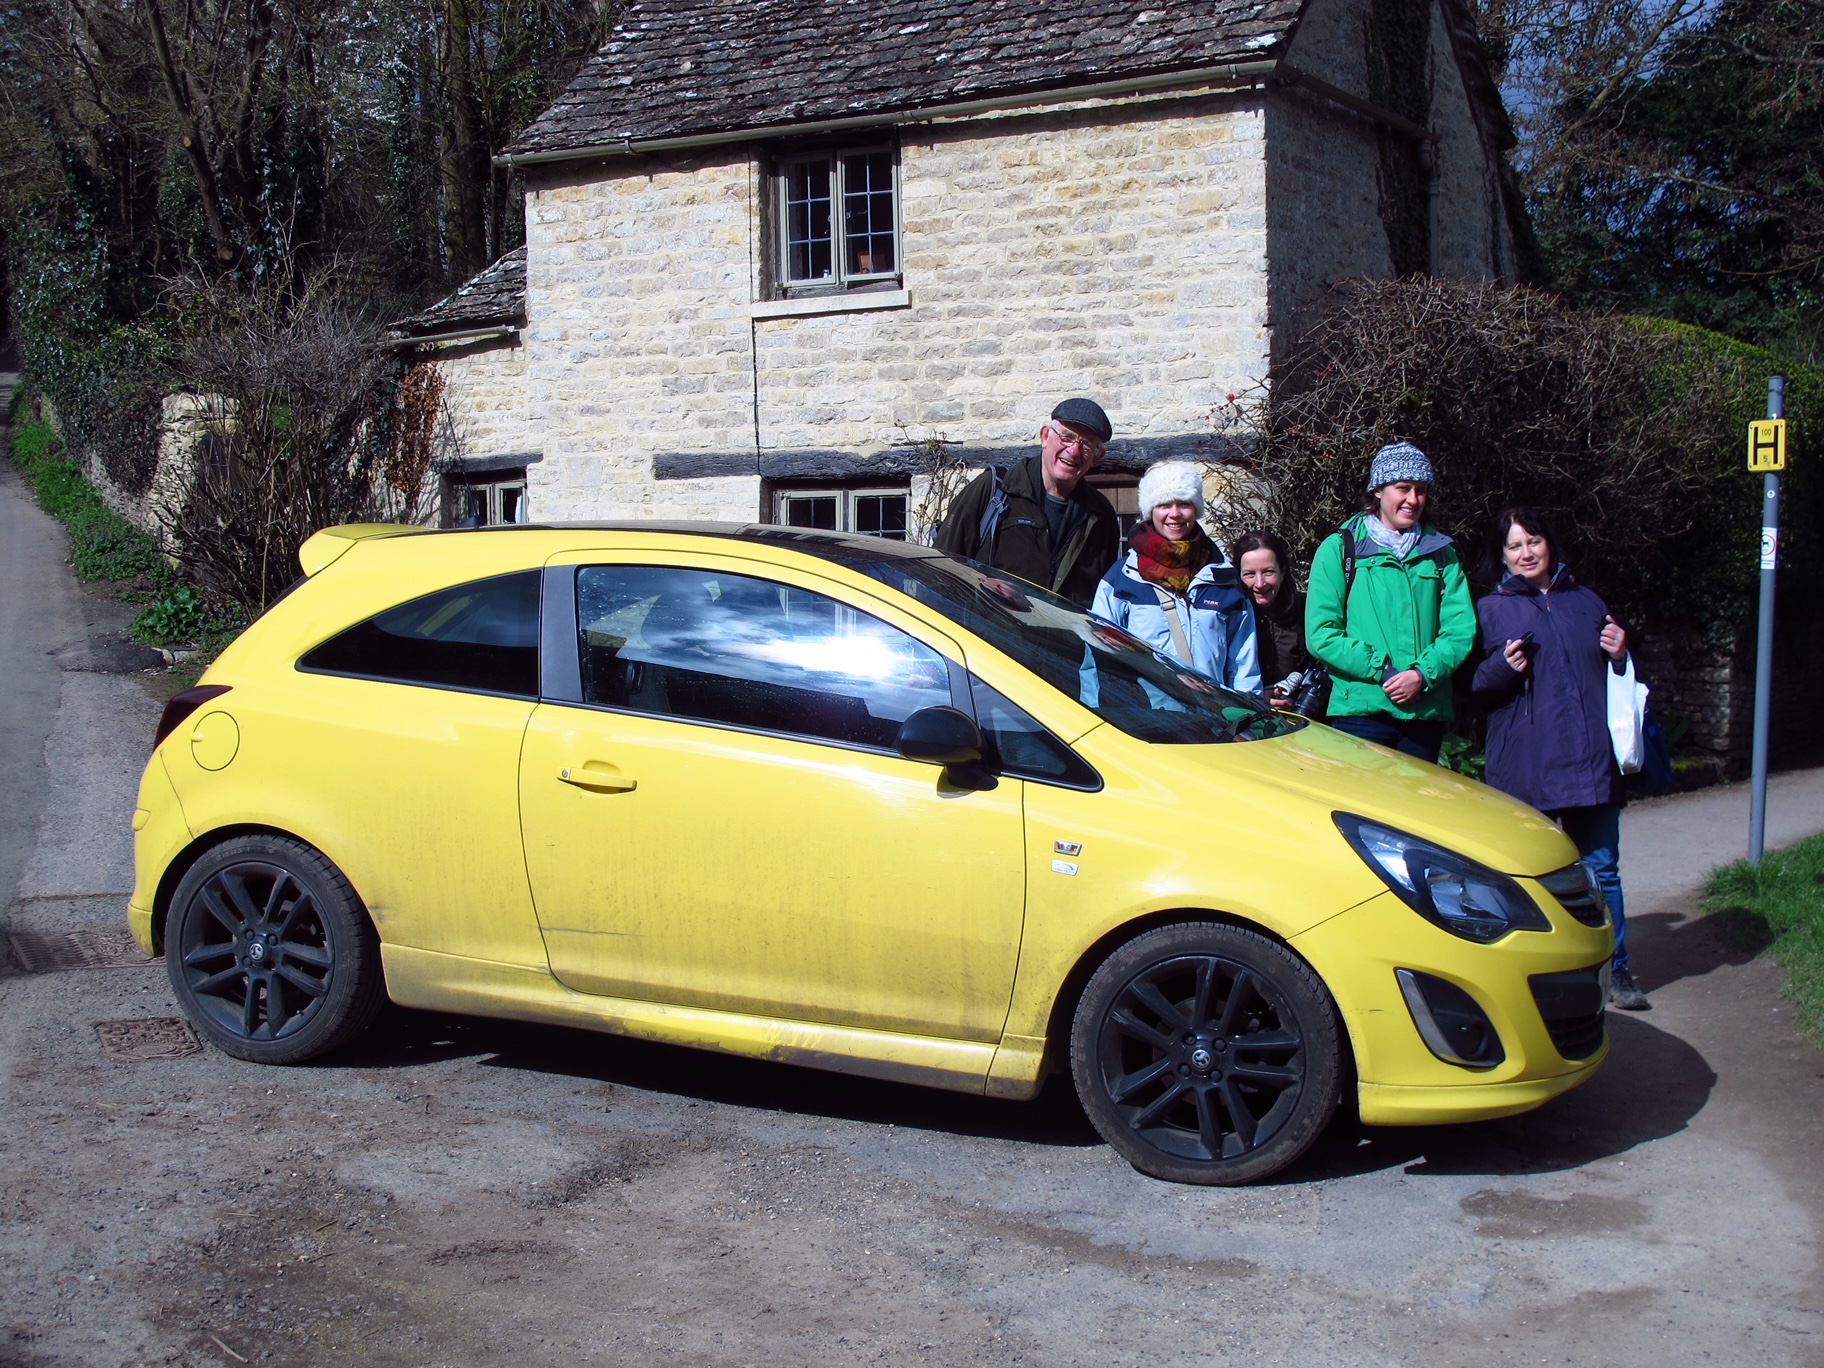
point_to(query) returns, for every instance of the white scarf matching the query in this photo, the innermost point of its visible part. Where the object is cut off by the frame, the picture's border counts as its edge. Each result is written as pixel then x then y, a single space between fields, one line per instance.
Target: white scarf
pixel 1383 536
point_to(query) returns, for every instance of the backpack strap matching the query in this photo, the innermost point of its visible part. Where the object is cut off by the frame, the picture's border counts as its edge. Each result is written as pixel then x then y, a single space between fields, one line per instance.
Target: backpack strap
pixel 1348 571
pixel 992 514
pixel 1169 605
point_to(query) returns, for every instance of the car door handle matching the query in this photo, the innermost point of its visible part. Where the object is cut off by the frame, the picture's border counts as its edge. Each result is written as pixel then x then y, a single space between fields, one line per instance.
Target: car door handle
pixel 604 778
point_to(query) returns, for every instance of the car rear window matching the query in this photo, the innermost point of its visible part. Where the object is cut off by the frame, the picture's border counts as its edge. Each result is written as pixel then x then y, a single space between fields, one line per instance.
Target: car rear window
pixel 481 636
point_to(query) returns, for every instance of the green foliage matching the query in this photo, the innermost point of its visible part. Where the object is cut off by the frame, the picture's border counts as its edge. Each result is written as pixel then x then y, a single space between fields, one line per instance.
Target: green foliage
pixel 1691 186
pixel 1462 754
pixel 1779 907
pixel 103 376
pixel 1712 574
pixel 1630 434
pixel 179 615
pixel 103 545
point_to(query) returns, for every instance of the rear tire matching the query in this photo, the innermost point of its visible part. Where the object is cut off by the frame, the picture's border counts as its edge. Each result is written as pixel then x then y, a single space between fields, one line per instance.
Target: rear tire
pixel 1205 1053
pixel 270 952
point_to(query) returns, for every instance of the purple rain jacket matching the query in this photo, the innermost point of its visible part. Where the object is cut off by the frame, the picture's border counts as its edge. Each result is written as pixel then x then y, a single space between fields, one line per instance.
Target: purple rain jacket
pixel 1548 726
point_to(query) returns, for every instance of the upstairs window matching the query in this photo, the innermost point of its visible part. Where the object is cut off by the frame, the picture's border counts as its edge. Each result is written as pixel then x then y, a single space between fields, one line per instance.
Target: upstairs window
pixel 838 220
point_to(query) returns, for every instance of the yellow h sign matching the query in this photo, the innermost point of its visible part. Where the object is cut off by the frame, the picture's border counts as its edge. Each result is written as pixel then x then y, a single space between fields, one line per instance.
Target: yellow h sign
pixel 1767 445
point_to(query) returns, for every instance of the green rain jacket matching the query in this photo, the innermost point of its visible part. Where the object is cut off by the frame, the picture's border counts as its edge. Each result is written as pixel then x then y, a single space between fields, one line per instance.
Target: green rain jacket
pixel 1402 614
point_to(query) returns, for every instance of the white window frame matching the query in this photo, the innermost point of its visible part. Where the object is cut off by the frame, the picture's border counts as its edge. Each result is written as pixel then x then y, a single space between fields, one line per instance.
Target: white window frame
pixel 459 491
pixel 845 504
pixel 840 278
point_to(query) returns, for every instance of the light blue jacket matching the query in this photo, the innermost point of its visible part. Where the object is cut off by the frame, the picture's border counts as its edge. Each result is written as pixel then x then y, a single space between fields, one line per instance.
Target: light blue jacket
pixel 1214 611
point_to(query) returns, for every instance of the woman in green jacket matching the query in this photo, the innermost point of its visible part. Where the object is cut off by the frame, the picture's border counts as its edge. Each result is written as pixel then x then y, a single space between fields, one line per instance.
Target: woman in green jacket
pixel 1392 618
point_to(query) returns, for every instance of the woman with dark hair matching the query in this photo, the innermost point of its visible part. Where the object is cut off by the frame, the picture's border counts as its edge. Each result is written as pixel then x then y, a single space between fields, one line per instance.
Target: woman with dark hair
pixel 1264 562
pixel 1389 612
pixel 1549 644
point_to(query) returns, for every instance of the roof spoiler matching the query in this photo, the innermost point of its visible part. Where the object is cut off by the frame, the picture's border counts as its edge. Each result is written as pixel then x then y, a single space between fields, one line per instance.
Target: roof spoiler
pixel 321 549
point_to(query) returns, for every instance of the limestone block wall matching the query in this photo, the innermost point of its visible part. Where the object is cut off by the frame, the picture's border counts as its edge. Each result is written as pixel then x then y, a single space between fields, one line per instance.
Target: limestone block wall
pixel 1324 196
pixel 484 399
pixel 1121 255
pixel 638 340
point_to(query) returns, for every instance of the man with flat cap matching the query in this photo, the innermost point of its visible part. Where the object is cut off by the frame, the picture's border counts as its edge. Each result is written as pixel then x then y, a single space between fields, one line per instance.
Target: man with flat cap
pixel 1040 518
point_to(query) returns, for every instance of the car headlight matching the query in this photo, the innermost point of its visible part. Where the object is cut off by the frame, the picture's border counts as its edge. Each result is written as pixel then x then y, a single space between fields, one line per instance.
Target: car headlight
pixel 1465 898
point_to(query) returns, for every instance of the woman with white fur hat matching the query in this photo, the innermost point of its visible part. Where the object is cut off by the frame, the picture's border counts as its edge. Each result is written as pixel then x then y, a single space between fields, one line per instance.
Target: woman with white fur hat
pixel 1173 588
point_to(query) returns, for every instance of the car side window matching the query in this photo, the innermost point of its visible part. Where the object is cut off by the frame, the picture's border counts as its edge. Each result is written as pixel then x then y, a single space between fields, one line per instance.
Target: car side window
pixel 481 636
pixel 708 646
pixel 1020 746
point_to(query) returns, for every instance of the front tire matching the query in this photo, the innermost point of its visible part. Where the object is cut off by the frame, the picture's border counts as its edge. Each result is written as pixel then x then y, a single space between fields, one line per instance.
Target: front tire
pixel 1205 1053
pixel 270 952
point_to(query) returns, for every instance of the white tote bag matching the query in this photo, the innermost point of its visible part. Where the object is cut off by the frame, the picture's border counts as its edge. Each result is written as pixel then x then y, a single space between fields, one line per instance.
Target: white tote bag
pixel 1627 716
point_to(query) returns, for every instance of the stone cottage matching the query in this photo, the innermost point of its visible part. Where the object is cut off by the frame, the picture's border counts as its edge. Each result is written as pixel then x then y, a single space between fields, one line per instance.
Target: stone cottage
pixel 774 245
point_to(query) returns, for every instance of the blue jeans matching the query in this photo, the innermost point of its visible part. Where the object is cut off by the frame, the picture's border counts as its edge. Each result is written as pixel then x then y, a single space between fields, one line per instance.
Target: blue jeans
pixel 1419 738
pixel 1596 831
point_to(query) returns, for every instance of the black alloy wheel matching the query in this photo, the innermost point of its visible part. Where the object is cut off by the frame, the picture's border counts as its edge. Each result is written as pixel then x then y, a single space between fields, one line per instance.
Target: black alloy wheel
pixel 1205 1053
pixel 270 953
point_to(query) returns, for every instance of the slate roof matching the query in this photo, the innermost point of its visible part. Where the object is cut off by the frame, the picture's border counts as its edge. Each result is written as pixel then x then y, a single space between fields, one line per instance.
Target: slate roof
pixel 495 298
pixel 674 68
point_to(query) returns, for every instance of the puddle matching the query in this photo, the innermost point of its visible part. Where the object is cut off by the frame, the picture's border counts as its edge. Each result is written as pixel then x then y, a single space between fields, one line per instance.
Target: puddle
pixel 1523 1215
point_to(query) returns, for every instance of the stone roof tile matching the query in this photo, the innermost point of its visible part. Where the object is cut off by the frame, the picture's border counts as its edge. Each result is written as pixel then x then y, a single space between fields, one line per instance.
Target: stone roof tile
pixel 674 68
pixel 495 297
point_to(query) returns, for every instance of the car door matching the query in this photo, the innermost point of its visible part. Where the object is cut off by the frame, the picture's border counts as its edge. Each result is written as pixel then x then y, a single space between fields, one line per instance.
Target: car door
pixel 719 818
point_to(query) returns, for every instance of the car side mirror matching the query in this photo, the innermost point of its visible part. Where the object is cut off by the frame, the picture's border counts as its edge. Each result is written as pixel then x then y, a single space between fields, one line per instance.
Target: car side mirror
pixel 947 737
pixel 941 736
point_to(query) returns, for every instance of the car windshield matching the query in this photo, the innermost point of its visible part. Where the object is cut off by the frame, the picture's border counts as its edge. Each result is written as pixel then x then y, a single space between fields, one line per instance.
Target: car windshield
pixel 1116 676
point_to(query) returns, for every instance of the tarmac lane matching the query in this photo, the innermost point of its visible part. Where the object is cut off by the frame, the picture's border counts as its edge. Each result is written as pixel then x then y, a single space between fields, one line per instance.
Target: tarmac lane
pixel 471 1192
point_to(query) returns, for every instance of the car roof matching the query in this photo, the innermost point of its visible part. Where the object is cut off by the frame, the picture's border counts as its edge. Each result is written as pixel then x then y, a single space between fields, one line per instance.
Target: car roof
pixel 843 547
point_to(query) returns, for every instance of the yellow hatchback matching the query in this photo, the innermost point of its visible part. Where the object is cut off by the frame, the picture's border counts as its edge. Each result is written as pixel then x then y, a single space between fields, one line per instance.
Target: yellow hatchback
pixel 850 803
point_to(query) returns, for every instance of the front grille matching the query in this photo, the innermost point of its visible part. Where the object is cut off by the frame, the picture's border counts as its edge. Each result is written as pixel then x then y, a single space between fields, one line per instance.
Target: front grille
pixel 1571 1005
pixel 1578 893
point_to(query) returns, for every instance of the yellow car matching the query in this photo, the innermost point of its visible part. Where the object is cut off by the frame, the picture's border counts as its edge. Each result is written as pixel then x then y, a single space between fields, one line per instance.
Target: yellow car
pixel 850 803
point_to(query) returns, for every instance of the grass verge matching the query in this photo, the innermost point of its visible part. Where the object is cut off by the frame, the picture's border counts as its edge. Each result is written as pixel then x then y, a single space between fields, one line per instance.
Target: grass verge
pixel 1779 908
pixel 104 546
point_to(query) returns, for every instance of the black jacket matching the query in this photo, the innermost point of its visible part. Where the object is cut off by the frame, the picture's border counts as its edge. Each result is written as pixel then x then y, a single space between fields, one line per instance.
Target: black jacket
pixel 1022 542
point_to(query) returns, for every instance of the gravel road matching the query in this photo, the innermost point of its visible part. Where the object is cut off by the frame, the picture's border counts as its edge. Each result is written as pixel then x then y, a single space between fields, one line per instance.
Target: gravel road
pixel 466 1192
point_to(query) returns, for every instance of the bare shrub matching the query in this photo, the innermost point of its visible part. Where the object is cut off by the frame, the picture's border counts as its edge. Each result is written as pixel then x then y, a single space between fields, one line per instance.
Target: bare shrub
pixel 938 476
pixel 1621 431
pixel 298 406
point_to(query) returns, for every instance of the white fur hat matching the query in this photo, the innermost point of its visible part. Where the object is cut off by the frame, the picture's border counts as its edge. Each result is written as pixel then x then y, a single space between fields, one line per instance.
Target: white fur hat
pixel 1170 482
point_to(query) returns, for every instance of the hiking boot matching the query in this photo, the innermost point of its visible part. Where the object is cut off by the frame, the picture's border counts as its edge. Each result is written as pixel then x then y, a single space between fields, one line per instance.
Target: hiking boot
pixel 1624 995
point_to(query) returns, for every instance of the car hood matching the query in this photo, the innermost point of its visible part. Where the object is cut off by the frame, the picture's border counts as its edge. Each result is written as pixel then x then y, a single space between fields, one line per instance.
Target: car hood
pixel 1334 772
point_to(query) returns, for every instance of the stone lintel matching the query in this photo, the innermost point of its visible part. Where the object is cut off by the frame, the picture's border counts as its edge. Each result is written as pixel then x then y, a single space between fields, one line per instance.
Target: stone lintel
pixel 1125 456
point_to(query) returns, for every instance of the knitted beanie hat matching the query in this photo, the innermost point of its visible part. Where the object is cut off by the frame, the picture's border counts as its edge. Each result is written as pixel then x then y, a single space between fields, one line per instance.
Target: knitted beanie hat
pixel 1401 461
pixel 1170 482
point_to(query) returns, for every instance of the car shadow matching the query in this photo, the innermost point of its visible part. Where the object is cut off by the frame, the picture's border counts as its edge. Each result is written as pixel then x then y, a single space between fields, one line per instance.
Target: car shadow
pixel 1650 1087
pixel 404 1038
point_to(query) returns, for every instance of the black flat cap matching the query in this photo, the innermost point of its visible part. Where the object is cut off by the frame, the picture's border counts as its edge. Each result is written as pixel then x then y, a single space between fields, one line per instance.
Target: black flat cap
pixel 1086 414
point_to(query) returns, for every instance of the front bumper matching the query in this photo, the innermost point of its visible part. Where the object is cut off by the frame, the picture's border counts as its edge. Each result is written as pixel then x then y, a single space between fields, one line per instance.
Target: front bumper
pixel 1401 1082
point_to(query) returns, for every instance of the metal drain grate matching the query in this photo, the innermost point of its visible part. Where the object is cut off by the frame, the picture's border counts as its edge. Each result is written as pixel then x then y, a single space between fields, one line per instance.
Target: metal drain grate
pixel 145 1039
pixel 102 949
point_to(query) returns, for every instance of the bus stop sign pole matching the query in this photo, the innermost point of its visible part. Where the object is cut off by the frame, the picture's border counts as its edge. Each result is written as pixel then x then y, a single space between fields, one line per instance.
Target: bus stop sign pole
pixel 1766 453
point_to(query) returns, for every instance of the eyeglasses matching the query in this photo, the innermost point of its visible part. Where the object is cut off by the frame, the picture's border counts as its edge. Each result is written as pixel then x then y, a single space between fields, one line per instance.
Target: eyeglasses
pixel 1070 441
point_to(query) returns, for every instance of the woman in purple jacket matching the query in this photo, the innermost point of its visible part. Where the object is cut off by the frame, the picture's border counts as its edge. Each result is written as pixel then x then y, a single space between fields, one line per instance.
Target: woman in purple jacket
pixel 1549 644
